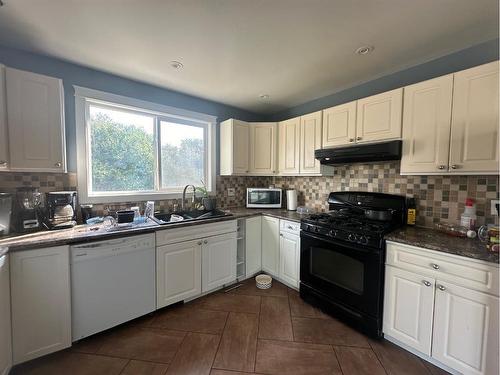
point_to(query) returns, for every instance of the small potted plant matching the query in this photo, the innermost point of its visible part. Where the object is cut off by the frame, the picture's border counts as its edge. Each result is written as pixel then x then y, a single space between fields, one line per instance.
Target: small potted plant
pixel 210 203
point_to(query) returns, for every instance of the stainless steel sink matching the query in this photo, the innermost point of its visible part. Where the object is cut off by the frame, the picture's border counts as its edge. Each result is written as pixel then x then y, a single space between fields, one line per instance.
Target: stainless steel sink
pixel 164 218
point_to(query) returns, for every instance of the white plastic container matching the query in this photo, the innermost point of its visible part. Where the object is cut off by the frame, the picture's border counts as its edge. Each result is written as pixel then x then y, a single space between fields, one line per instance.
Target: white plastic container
pixel 291 200
pixel 468 218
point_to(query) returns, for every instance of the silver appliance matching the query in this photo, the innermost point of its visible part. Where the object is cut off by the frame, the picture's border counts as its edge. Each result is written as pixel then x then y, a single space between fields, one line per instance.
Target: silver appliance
pixel 5 213
pixel 264 197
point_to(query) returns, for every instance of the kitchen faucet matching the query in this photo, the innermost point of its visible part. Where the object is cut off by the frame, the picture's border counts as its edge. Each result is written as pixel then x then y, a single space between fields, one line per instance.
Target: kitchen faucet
pixel 184 196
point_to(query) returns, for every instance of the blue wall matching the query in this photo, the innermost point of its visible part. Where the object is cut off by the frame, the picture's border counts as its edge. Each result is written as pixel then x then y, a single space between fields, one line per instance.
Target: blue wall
pixel 73 74
pixel 467 58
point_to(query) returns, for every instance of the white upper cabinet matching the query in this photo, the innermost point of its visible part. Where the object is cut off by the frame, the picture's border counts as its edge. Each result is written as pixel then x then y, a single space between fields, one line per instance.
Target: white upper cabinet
pixel 465 334
pixel 310 134
pixel 289 146
pixel 339 125
pixel 234 150
pixel 263 144
pixel 379 116
pixel 426 125
pixel 474 130
pixel 35 117
pixel 4 151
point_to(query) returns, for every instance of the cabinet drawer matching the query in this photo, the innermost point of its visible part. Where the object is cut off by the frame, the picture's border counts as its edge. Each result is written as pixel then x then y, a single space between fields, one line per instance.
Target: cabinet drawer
pixel 466 272
pixel 192 232
pixel 290 227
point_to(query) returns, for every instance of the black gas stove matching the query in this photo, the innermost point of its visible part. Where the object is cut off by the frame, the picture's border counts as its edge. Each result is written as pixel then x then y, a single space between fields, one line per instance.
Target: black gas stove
pixel 342 256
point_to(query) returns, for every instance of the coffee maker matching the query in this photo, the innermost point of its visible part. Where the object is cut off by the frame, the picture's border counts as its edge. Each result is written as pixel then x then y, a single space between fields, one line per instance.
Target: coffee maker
pixel 26 210
pixel 61 210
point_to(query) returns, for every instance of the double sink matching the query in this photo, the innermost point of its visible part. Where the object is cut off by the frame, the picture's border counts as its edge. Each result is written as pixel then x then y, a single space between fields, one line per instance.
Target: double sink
pixel 165 218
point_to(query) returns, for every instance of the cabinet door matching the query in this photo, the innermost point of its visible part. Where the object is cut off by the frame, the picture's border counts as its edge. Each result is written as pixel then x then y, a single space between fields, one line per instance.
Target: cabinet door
pixel 4 151
pixel 35 118
pixel 289 146
pixel 219 261
pixel 474 128
pixel 408 308
pixel 41 302
pixel 378 117
pixel 240 147
pixel 426 126
pixel 289 258
pixel 339 125
pixel 270 245
pixel 310 140
pixel 263 148
pixel 5 322
pixel 465 330
pixel 178 272
pixel 253 245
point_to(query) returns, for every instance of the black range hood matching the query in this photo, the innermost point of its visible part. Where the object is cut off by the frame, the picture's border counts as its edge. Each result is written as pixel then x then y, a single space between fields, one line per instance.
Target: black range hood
pixel 360 153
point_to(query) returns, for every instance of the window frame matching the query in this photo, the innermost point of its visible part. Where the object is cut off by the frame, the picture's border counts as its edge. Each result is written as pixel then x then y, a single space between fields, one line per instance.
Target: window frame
pixel 85 97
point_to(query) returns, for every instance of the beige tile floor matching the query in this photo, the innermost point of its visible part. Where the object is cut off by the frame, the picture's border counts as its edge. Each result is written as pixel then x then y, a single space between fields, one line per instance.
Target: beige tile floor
pixel 246 331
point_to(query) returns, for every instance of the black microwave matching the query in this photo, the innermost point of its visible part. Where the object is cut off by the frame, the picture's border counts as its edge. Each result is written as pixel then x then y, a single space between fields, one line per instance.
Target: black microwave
pixel 264 198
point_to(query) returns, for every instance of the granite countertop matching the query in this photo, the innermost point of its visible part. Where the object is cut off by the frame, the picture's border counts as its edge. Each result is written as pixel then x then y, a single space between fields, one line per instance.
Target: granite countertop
pixel 434 240
pixel 88 233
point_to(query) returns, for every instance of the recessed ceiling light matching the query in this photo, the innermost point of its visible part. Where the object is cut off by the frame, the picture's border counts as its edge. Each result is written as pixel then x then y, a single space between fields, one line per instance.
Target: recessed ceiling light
pixel 364 50
pixel 176 64
pixel 264 96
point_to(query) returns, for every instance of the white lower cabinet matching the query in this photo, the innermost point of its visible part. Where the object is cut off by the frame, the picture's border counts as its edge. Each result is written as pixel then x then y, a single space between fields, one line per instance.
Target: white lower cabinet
pixel 270 245
pixel 408 308
pixel 289 253
pixel 218 261
pixel 465 335
pixel 41 302
pixel 5 321
pixel 178 272
pixel 253 245
pixel 455 323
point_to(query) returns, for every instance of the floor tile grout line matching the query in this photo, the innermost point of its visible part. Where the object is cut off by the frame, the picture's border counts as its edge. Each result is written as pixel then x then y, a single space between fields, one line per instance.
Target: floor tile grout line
pixel 124 367
pixel 220 340
pixel 337 358
pixel 378 358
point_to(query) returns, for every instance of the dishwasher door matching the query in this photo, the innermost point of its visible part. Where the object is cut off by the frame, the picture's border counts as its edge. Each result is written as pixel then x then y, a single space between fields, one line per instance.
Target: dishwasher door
pixel 112 282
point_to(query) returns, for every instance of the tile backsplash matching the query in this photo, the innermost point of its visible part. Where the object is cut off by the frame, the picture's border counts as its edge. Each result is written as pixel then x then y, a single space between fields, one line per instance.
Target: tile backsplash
pixel 439 198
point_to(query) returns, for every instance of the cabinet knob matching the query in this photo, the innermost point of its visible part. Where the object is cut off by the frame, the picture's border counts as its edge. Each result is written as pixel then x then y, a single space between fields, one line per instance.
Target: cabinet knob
pixel 441 287
pixel 199 243
pixel 441 167
pixel 426 283
pixel 281 234
pixel 58 164
pixel 454 166
pixel 359 138
pixel 205 242
pixel 351 139
pixel 435 266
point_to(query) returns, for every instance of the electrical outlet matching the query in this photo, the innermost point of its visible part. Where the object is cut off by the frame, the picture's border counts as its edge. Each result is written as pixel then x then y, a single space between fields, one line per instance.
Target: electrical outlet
pixel 494 202
pixel 231 192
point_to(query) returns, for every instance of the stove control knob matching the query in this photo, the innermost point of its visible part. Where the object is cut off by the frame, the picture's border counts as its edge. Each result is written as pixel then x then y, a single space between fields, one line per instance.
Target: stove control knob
pixel 316 230
pixel 363 240
pixel 332 233
pixel 351 237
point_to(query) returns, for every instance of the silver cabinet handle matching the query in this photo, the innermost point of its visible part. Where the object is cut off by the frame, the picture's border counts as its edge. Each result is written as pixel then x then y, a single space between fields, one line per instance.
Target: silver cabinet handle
pixel 351 139
pixel 205 242
pixel 435 266
pixel 281 234
pixel 441 167
pixel 58 164
pixel 359 138
pixel 454 166
pixel 441 287
pixel 199 243
pixel 290 227
pixel 426 283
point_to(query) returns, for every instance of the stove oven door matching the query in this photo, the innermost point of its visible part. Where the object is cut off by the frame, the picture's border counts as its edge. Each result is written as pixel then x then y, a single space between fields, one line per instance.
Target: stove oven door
pixel 346 274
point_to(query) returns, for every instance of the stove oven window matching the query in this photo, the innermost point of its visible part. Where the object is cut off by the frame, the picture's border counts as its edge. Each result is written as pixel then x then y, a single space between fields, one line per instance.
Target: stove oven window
pixel 338 269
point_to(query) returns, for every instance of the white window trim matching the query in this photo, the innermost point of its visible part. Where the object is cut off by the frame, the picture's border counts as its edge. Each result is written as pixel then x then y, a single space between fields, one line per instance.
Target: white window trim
pixel 84 95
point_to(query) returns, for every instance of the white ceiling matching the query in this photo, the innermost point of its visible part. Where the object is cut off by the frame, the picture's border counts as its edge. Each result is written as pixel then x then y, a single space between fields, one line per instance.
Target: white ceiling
pixel 235 50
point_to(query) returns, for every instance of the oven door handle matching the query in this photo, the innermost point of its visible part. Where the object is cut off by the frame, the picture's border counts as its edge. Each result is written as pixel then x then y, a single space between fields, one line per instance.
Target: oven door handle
pixel 343 244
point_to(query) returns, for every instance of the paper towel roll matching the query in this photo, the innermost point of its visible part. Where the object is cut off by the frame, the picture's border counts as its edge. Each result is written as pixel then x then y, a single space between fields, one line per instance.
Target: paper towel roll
pixel 291 200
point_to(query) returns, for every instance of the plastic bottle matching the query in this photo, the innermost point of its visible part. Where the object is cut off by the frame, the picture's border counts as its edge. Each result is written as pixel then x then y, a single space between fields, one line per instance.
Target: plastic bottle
pixel 468 218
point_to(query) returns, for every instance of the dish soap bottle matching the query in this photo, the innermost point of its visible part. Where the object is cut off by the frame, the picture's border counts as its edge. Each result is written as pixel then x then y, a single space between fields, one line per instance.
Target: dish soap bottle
pixel 411 211
pixel 468 218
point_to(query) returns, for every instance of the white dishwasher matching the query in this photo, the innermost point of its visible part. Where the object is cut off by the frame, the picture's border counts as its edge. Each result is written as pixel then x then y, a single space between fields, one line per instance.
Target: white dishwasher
pixel 112 282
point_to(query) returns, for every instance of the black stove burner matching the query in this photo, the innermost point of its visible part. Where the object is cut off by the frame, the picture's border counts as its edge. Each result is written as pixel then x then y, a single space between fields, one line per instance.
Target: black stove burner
pixel 347 219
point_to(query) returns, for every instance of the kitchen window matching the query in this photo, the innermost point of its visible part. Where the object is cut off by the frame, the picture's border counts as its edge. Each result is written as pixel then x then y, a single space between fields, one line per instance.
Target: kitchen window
pixel 129 150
